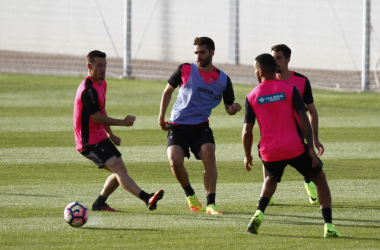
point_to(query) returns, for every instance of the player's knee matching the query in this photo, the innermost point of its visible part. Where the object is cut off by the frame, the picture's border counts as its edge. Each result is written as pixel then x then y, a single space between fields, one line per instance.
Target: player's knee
pixel 207 155
pixel 175 162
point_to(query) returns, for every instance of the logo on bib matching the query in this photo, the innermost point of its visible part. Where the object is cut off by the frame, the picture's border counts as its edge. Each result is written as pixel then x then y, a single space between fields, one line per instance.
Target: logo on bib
pixel 271 98
pixel 205 90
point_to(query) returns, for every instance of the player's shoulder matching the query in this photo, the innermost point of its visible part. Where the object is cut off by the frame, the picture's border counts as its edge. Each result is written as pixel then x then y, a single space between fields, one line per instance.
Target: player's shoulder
pixel 284 84
pixel 297 74
pixel 87 83
pixel 186 65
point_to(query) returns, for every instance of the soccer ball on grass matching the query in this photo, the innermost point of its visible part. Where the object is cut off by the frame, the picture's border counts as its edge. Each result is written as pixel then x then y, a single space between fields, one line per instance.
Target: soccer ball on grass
pixel 75 214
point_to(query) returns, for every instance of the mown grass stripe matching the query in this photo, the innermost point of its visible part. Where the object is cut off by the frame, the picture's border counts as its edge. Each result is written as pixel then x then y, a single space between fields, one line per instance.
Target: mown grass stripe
pixel 65 123
pixel 224 152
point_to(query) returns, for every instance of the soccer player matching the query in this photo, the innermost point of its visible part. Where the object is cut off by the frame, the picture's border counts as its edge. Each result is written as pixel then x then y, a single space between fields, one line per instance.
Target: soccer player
pixel 281 54
pixel 272 103
pixel 201 88
pixel 95 140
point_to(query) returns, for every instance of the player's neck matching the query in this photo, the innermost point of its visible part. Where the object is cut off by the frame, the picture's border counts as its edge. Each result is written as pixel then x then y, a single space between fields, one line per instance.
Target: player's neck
pixel 284 75
pixel 95 80
pixel 208 68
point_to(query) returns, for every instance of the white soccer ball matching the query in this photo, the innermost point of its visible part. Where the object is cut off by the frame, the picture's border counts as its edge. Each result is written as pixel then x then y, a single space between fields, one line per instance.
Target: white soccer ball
pixel 75 214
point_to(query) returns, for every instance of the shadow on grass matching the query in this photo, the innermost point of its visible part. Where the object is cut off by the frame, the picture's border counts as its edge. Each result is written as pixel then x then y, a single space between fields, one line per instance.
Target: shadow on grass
pixel 278 218
pixel 119 229
pixel 335 206
pixel 358 207
pixel 335 219
pixel 33 195
pixel 317 237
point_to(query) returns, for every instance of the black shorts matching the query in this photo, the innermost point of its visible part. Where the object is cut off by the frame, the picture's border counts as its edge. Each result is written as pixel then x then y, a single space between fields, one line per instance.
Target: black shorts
pixel 302 164
pixel 190 136
pixel 101 152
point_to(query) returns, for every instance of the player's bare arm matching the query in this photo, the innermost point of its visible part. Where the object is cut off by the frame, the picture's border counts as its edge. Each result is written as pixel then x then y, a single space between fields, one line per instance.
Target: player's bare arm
pixel 165 100
pixel 105 120
pixel 115 139
pixel 313 115
pixel 247 140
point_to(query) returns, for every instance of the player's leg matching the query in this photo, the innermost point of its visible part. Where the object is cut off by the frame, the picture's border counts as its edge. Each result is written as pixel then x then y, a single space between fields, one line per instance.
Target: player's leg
pixel 274 171
pixel 207 155
pixel 271 201
pixel 267 191
pixel 107 156
pixel 323 190
pixel 119 174
pixel 100 153
pixel 269 187
pixel 303 164
pixel 121 177
pixel 203 147
pixel 176 157
pixel 324 196
pixel 110 185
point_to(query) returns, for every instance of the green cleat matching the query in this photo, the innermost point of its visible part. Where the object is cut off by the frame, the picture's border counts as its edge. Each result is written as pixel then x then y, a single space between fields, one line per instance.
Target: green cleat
pixel 254 224
pixel 194 203
pixel 330 231
pixel 271 201
pixel 212 209
pixel 311 192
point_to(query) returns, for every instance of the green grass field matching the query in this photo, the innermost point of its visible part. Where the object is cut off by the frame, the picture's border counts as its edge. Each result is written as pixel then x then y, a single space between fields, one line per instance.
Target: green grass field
pixel 40 173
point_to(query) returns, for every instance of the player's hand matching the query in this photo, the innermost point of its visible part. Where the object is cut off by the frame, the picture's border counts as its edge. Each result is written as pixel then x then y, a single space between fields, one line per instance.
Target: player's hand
pixel 234 108
pixel 115 139
pixel 314 158
pixel 319 147
pixel 162 124
pixel 248 162
pixel 129 120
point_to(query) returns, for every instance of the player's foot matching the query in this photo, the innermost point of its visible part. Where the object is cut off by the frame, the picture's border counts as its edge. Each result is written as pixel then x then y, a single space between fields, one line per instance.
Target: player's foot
pixel 152 203
pixel 212 209
pixel 254 224
pixel 104 207
pixel 311 192
pixel 194 203
pixel 330 231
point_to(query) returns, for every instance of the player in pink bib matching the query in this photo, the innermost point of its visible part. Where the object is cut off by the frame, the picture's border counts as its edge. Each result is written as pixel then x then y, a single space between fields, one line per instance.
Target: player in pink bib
pixel 95 140
pixel 282 54
pixel 273 103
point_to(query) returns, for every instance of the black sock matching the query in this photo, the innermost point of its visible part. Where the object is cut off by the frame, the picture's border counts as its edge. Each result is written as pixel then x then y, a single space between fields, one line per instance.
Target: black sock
pixel 263 203
pixel 210 199
pixel 307 180
pixel 99 202
pixel 144 196
pixel 189 190
pixel 327 215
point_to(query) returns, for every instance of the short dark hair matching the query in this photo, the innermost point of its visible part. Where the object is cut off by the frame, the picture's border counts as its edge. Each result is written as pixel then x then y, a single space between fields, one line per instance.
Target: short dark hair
pixel 95 53
pixel 205 41
pixel 282 47
pixel 267 63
